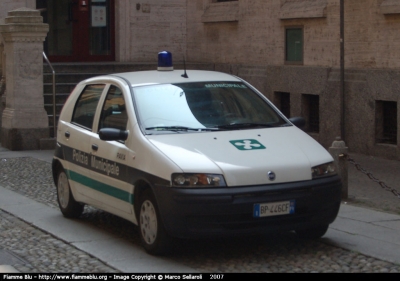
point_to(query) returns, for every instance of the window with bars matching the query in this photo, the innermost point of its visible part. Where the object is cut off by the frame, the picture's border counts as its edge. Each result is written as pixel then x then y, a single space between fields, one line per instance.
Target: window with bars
pixel 310 108
pixel 386 122
pixel 282 101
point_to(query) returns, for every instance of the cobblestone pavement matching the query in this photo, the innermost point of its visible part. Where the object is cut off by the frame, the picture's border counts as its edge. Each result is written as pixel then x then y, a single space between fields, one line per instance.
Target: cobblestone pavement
pixel 40 252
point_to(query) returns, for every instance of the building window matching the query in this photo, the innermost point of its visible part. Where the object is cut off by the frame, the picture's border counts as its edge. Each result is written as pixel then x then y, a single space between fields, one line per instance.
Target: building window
pixel 386 122
pixel 294 45
pixel 282 101
pixel 310 108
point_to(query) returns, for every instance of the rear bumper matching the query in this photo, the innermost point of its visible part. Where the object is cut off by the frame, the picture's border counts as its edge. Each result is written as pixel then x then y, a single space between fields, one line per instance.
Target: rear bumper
pixel 229 211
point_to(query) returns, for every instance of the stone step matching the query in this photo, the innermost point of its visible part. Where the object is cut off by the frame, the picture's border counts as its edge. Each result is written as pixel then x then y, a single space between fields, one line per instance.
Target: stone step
pixel 50 117
pixel 100 67
pixel 60 98
pixel 116 67
pixel 49 109
pixel 60 87
pixel 71 78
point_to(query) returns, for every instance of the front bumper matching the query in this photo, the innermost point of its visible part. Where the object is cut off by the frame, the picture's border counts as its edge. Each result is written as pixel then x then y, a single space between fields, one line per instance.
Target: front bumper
pixel 191 213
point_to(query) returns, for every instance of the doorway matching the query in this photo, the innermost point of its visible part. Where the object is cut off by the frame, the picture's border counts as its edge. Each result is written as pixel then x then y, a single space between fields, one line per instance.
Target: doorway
pixel 80 30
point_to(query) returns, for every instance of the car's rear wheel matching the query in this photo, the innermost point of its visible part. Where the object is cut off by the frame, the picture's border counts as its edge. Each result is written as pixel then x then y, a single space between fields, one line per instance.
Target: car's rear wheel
pixel 68 206
pixel 313 232
pixel 153 235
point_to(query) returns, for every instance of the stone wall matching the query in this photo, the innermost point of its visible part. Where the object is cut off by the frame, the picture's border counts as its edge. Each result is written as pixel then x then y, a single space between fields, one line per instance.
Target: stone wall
pixel 372 34
pixel 148 27
pixel 256 35
pixel 252 32
pixel 9 5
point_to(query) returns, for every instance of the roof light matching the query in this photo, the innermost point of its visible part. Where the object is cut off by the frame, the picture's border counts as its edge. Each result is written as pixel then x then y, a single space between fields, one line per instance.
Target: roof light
pixel 165 61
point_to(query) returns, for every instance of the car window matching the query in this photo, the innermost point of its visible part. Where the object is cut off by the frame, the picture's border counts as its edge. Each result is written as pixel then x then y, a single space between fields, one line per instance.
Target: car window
pixel 203 105
pixel 113 113
pixel 86 105
pixel 164 105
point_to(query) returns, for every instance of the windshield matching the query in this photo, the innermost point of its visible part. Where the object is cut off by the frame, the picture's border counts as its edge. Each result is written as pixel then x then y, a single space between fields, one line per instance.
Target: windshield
pixel 203 106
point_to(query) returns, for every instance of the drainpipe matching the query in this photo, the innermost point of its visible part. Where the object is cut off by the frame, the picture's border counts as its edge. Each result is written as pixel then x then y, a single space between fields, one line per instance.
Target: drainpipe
pixel 342 110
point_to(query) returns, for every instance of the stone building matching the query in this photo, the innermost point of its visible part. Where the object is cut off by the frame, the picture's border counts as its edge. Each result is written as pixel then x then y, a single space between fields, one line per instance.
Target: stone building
pixel 288 49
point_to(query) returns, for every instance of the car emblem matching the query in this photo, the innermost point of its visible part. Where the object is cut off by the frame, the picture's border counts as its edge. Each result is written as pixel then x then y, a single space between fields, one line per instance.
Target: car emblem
pixel 271 176
pixel 247 144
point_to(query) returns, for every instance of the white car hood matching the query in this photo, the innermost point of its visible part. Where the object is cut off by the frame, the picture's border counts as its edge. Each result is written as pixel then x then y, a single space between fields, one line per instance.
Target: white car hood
pixel 239 155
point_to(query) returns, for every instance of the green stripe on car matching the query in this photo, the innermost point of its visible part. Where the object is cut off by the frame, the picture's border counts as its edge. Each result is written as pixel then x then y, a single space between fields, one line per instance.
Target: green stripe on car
pixel 101 187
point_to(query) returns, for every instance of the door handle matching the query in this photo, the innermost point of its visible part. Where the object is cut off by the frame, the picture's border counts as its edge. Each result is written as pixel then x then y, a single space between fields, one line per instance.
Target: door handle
pixel 95 147
pixel 67 134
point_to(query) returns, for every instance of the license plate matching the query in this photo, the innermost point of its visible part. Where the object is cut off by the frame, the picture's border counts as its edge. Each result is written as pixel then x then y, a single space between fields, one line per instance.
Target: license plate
pixel 274 209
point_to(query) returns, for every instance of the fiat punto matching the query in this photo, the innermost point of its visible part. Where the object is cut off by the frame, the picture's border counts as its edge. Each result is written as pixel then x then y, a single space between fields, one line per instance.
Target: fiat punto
pixel 190 154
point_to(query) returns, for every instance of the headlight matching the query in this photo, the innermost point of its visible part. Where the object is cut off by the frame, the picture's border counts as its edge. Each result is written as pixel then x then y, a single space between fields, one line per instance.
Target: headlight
pixel 197 180
pixel 323 170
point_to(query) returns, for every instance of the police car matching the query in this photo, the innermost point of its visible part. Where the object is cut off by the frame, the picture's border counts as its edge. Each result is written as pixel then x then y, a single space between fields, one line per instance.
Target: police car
pixel 190 154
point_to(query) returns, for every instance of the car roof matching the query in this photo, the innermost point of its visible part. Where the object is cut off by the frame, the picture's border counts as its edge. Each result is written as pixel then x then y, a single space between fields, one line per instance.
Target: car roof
pixel 139 78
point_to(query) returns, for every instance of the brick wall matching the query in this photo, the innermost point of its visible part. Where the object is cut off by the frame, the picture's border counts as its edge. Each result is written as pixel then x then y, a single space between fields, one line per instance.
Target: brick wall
pixel 149 27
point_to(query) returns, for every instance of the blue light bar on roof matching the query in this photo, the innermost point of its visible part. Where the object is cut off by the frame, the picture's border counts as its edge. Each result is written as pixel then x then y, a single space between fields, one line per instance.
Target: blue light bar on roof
pixel 165 61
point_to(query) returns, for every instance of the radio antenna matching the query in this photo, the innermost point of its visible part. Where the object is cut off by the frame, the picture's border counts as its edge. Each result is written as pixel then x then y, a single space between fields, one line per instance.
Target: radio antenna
pixel 184 75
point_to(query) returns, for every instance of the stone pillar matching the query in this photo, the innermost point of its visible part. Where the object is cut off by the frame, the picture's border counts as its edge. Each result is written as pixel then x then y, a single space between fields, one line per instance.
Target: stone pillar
pixel 2 81
pixel 24 120
pixel 339 152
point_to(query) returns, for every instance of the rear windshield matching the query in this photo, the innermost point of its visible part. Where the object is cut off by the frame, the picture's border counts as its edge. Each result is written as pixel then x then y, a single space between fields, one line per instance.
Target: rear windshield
pixel 203 106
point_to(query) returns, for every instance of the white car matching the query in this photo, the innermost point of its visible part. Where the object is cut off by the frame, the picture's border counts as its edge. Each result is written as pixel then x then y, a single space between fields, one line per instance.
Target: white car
pixel 190 154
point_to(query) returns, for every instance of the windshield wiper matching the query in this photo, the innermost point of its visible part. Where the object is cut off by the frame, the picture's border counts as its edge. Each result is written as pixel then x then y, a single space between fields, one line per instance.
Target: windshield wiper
pixel 179 128
pixel 245 125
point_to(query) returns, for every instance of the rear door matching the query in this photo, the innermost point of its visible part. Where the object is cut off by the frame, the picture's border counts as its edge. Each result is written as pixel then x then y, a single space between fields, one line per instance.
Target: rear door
pixel 75 137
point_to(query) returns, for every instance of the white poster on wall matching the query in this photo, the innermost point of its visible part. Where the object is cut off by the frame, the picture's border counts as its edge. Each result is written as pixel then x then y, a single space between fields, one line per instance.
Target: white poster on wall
pixel 99 16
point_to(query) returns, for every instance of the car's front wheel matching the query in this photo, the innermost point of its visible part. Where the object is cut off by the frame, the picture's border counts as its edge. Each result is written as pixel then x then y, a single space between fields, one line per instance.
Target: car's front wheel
pixel 153 235
pixel 68 206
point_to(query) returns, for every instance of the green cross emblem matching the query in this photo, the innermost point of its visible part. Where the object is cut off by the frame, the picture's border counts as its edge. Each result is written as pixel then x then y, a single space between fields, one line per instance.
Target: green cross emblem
pixel 247 144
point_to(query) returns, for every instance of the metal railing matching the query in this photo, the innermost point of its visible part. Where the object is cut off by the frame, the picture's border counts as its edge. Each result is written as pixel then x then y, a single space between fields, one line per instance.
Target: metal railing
pixel 54 95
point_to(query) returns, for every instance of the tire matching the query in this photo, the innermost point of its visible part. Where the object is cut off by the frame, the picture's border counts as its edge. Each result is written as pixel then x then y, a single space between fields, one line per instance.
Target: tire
pixel 68 206
pixel 153 236
pixel 313 232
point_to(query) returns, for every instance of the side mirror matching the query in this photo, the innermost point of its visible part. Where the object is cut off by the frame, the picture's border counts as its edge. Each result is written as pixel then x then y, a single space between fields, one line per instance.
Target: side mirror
pixel 111 134
pixel 299 122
